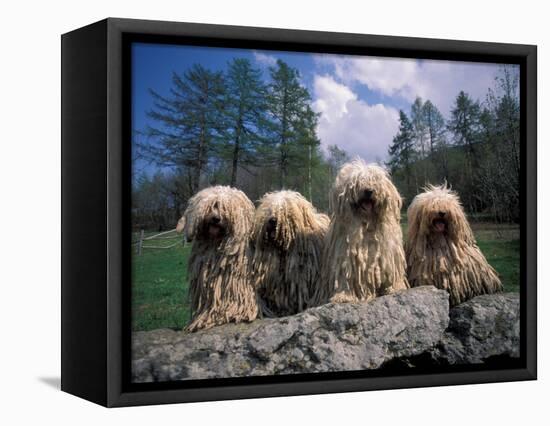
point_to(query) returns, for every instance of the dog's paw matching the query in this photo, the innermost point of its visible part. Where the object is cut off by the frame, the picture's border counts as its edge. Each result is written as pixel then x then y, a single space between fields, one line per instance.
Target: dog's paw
pixel 343 297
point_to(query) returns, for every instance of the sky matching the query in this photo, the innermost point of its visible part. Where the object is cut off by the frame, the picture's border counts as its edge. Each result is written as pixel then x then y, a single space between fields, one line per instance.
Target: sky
pixel 358 97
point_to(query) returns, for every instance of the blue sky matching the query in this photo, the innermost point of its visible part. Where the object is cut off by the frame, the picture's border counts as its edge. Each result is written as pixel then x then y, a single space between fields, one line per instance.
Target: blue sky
pixel 358 97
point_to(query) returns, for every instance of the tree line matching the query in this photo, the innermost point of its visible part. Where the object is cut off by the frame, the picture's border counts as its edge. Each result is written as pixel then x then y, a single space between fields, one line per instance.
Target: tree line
pixel 230 128
pixel 476 151
pixel 234 128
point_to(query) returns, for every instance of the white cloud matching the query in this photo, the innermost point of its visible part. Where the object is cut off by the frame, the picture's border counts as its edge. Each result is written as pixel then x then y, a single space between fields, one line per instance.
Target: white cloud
pixel 387 75
pixel 352 124
pixel 331 97
pixel 264 58
pixel 439 81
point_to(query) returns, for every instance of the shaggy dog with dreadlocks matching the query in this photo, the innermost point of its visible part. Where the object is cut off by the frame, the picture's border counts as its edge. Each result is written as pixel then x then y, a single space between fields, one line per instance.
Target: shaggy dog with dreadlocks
pixel 441 248
pixel 218 220
pixel 287 238
pixel 363 256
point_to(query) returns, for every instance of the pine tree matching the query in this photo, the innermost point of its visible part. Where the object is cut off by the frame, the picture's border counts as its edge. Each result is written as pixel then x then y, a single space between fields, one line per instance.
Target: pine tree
pixel 288 106
pixel 307 144
pixel 435 125
pixel 189 121
pixel 244 115
pixel 418 121
pixel 464 122
pixel 464 126
pixel 401 151
pixel 500 163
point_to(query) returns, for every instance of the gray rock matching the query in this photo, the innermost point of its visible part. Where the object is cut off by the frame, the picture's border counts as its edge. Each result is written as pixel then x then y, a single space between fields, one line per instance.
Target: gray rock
pixel 333 337
pixel 482 328
pixel 405 329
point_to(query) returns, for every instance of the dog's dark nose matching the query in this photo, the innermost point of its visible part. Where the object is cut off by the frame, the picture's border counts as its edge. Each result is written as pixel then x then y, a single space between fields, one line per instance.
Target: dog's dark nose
pixel 368 193
pixel 215 219
pixel 441 214
pixel 272 221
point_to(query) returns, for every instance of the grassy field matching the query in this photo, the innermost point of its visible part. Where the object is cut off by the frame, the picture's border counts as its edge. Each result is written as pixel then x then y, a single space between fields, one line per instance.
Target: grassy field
pixel 159 287
pixel 159 292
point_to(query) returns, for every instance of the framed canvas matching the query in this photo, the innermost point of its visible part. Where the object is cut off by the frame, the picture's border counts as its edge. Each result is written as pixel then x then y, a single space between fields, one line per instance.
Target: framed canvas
pixel 255 212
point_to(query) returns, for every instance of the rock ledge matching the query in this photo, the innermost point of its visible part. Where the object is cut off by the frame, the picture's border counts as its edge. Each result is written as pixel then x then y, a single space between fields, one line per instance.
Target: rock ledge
pixel 408 328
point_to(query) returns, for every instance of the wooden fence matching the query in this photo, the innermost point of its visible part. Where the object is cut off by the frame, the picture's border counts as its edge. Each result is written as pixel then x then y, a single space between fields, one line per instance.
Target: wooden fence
pixel 144 242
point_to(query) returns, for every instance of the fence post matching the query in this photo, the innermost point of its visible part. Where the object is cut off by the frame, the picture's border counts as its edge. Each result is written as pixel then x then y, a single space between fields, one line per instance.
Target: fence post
pixel 140 244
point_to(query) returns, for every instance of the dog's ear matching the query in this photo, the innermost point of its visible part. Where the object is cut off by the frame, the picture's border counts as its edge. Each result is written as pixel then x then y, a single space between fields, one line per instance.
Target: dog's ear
pixel 414 219
pixel 398 207
pixel 188 223
pixel 395 201
pixel 461 229
pixel 180 225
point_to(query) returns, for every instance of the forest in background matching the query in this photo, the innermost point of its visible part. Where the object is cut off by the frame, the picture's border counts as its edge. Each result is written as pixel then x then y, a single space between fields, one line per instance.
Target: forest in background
pixel 234 128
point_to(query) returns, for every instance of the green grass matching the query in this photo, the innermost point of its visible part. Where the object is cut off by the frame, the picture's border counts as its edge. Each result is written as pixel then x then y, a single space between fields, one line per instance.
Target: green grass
pixel 500 245
pixel 159 283
pixel 159 288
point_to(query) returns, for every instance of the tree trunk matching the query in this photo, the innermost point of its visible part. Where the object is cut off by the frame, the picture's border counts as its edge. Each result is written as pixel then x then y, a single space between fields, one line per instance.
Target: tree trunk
pixel 199 166
pixel 283 171
pixel 284 124
pixel 190 183
pixel 236 152
pixel 201 155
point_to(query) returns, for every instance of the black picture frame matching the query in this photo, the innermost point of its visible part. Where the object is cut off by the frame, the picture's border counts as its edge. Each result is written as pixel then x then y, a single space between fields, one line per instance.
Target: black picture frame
pixel 95 209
